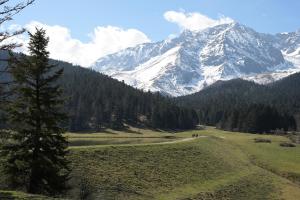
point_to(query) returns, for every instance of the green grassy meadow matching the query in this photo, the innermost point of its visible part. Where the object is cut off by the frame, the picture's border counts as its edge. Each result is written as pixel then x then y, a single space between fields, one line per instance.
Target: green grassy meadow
pixel 145 164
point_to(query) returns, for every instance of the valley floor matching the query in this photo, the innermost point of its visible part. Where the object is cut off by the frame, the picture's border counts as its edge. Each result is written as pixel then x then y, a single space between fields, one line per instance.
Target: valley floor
pixel 144 164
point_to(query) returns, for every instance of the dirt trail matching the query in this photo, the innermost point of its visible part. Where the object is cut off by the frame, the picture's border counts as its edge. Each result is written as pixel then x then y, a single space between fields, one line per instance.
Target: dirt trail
pixel 180 140
pixel 141 144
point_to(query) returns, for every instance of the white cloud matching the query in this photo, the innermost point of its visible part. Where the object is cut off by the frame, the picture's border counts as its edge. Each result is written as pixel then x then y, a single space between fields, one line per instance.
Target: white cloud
pixel 108 39
pixel 194 21
pixel 103 41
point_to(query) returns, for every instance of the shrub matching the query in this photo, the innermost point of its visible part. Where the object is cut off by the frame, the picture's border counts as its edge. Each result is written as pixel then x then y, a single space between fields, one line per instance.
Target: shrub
pixel 170 137
pixel 287 144
pixel 294 137
pixel 262 140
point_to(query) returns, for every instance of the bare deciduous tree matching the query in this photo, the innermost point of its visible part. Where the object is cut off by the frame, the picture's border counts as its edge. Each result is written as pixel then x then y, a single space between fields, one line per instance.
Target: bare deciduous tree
pixel 8 9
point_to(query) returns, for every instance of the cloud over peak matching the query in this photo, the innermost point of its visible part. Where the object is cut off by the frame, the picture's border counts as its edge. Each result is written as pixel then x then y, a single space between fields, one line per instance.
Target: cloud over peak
pixel 194 21
pixel 103 41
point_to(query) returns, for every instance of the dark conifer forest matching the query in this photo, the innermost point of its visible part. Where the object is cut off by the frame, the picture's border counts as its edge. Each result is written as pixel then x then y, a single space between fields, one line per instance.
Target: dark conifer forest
pixel 242 105
pixel 95 101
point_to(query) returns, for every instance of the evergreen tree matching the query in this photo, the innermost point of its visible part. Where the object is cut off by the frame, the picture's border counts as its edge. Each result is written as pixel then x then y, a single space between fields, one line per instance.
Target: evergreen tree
pixel 116 118
pixel 156 120
pixel 36 157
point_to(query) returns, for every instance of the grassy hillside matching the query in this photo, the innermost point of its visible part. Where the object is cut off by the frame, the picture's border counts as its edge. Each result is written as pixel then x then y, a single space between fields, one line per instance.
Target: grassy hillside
pixel 222 165
pixel 146 164
pixel 279 160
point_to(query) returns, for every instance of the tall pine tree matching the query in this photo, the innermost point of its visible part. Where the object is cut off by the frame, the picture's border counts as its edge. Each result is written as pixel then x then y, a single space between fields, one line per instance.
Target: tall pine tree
pixel 36 157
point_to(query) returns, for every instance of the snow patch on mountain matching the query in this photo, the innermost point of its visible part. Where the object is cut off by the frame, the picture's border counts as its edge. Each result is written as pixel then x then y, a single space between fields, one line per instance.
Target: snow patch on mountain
pixel 144 75
pixel 196 59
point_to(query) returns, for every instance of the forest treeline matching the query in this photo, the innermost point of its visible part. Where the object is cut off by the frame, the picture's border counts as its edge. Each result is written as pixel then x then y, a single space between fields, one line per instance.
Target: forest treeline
pixel 241 105
pixel 95 101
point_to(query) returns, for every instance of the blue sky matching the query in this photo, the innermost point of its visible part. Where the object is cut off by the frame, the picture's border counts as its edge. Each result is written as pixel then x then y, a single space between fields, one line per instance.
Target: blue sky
pixel 270 16
pixel 82 31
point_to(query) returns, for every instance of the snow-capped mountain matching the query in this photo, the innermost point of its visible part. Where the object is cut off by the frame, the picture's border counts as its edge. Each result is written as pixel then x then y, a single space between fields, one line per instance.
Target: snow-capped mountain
pixel 193 60
pixel 289 43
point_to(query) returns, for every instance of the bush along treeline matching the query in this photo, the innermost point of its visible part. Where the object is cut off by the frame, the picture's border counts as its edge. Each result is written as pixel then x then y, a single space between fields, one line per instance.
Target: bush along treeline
pixel 96 101
pixel 240 105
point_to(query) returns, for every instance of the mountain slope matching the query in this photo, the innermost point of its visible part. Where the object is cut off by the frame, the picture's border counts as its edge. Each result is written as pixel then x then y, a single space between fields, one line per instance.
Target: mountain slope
pixel 216 101
pixel 95 101
pixel 193 60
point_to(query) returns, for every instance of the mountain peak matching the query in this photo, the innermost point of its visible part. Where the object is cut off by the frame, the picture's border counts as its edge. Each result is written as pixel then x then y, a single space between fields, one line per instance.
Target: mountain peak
pixel 195 59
